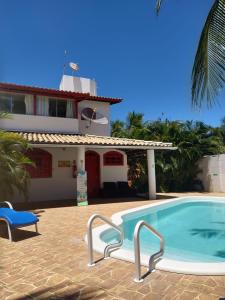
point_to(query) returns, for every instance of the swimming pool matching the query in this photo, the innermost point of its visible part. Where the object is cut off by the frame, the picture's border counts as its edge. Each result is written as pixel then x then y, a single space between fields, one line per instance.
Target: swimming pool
pixel 193 229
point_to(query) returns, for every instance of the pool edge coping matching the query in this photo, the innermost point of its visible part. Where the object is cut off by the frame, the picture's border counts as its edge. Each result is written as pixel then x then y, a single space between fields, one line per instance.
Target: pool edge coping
pixel 164 264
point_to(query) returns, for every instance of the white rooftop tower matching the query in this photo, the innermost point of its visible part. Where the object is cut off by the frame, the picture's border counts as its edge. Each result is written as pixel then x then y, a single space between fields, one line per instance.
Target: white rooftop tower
pixel 78 84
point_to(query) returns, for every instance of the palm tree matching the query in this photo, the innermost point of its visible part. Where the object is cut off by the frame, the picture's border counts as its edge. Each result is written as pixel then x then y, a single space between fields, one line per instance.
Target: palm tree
pixel 135 125
pixel 222 130
pixel 118 128
pixel 135 120
pixel 13 174
pixel 209 63
pixel 193 139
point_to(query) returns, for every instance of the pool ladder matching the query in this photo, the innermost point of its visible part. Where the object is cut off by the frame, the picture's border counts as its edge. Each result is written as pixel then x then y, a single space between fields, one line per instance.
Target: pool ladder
pixel 152 260
pixel 109 248
pixel 112 247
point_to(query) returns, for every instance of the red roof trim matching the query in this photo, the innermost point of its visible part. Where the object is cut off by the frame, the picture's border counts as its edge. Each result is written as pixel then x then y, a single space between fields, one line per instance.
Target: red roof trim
pixel 11 87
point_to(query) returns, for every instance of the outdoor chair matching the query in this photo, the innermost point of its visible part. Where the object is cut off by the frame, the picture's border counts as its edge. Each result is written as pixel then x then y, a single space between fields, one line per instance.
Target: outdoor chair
pixel 124 190
pixel 109 190
pixel 117 189
pixel 15 219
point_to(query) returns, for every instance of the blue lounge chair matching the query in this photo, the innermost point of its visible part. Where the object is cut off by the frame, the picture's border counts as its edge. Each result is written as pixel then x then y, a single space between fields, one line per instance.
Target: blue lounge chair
pixel 15 219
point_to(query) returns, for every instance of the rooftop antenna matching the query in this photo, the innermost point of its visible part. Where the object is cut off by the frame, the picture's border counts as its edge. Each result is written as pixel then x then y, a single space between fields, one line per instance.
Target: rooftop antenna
pixel 64 65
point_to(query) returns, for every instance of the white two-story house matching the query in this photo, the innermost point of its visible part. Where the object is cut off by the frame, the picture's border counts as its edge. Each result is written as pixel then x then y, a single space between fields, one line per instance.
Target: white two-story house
pixel 69 130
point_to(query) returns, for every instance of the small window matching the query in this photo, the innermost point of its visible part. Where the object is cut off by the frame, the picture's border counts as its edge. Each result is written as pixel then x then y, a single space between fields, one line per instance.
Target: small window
pixel 43 163
pixel 12 103
pixel 57 108
pixel 113 158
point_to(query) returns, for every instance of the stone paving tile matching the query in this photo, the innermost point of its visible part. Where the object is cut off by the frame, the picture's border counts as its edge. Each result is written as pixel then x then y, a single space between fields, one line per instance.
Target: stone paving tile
pixel 53 265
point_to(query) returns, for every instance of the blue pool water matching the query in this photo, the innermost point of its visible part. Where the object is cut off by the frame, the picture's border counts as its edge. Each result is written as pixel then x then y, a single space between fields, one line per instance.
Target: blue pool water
pixel 194 230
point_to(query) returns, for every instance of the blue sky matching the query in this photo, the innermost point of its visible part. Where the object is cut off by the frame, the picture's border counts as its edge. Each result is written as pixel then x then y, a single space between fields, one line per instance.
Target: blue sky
pixel 131 53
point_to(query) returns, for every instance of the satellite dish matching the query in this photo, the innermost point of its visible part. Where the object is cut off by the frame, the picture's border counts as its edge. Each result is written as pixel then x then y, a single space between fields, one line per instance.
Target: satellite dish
pixel 74 66
pixel 92 115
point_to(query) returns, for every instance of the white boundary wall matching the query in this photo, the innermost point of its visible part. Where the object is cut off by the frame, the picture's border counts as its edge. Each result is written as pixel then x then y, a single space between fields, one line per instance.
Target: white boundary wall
pixel 213 173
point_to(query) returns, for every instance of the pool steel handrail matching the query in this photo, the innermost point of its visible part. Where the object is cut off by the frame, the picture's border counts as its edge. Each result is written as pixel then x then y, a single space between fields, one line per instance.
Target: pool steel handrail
pixel 139 225
pixel 109 247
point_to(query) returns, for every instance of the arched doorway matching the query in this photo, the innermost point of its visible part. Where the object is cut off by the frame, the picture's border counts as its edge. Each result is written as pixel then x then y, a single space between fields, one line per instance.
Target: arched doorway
pixel 92 167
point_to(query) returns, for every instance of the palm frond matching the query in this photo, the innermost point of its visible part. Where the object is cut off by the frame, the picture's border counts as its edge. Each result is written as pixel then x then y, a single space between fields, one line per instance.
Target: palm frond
pixel 209 64
pixel 5 115
pixel 13 162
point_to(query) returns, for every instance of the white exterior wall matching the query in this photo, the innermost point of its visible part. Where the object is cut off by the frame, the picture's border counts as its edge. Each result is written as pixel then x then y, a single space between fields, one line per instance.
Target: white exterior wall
pixel 112 173
pixel 96 129
pixel 213 173
pixel 40 123
pixel 60 125
pixel 62 186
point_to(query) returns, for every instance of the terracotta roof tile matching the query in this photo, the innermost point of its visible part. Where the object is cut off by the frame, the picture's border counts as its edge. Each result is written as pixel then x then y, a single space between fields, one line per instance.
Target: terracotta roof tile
pixel 55 93
pixel 76 139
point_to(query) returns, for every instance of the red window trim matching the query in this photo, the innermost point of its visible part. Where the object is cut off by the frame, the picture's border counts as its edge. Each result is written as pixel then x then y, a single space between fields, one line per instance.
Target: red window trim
pixel 75 110
pixel 113 158
pixel 35 104
pixel 44 158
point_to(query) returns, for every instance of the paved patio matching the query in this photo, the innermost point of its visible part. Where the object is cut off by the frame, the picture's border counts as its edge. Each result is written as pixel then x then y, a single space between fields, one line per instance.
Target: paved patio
pixel 53 265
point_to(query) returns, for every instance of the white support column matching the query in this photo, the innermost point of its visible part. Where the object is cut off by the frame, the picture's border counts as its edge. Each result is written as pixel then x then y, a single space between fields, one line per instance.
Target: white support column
pixel 151 174
pixel 81 178
pixel 81 158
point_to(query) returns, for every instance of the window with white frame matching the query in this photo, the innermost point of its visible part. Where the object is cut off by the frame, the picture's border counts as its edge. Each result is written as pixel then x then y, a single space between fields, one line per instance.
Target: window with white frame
pixel 61 108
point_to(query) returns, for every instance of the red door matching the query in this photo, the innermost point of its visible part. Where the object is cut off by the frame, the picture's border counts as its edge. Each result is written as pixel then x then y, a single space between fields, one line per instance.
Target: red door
pixel 92 166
